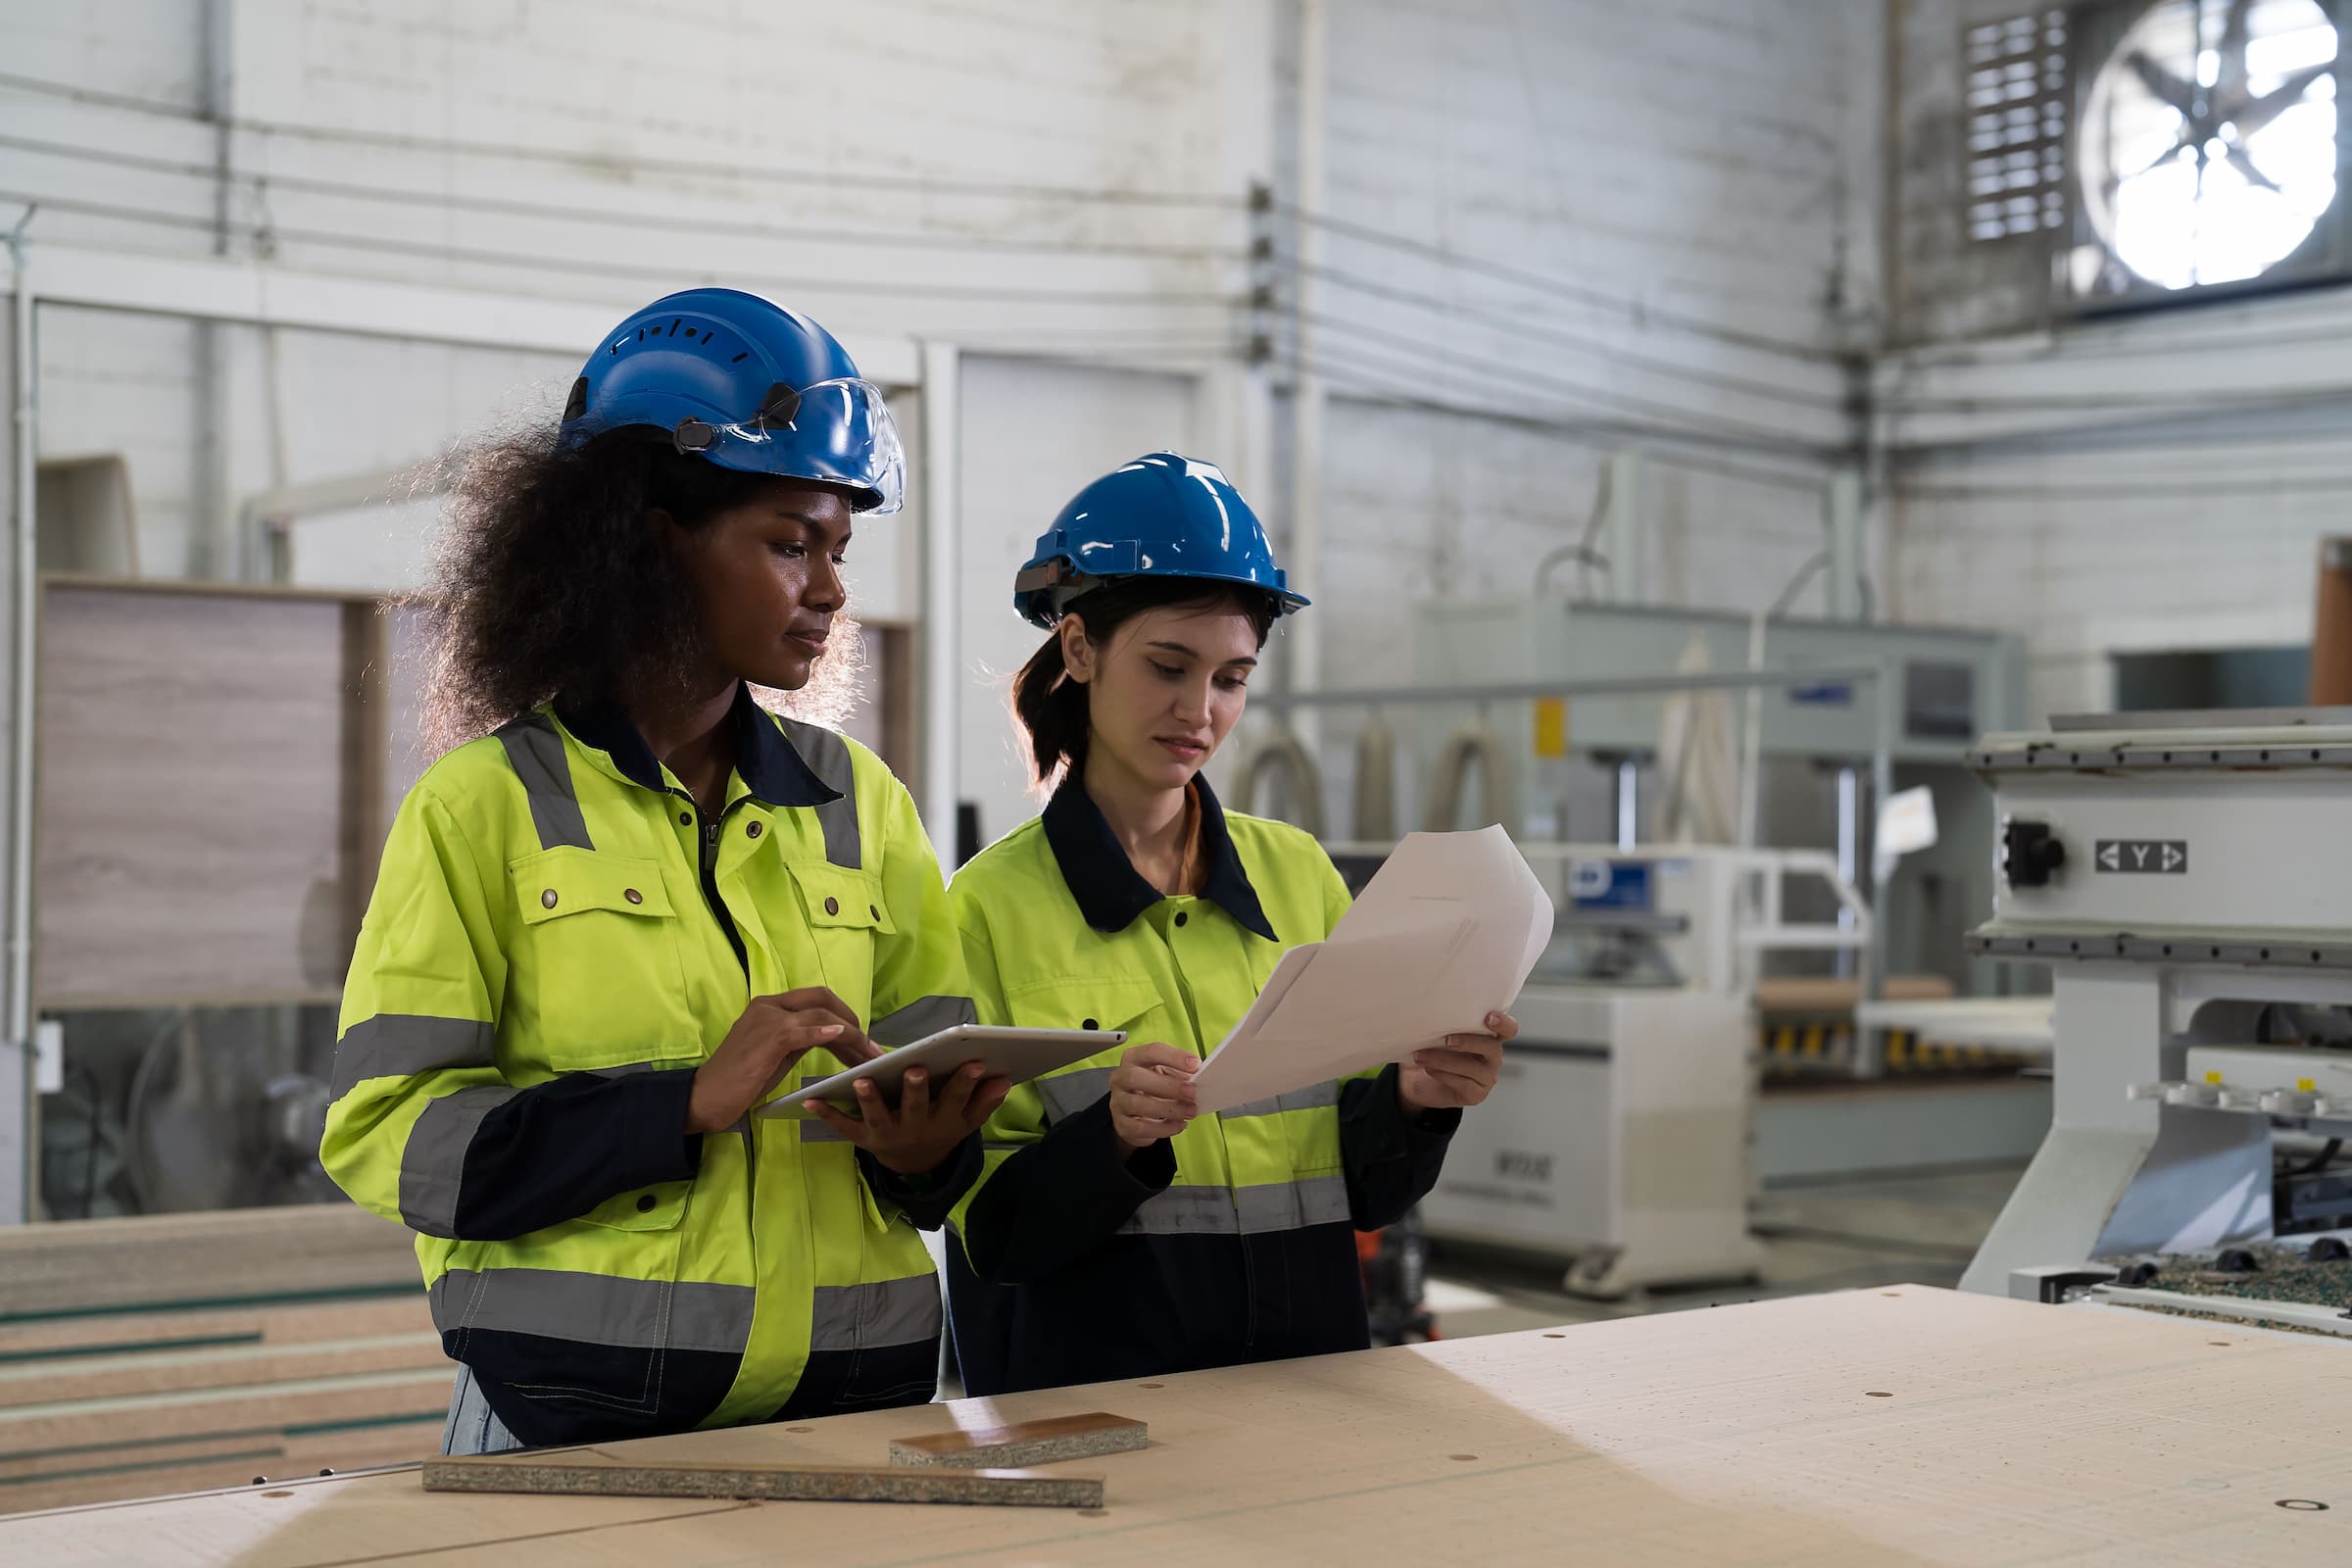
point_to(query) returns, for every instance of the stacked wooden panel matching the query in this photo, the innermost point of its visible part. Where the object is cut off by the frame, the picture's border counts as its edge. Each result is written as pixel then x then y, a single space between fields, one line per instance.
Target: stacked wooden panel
pixel 177 1352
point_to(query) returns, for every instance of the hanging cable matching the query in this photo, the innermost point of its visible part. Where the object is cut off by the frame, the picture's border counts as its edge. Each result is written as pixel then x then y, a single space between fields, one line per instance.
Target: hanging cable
pixel 634 218
pixel 1659 446
pixel 1365 380
pixel 1475 745
pixel 1560 287
pixel 1375 814
pixel 674 276
pixel 601 167
pixel 1282 753
pixel 1518 326
pixel 1424 352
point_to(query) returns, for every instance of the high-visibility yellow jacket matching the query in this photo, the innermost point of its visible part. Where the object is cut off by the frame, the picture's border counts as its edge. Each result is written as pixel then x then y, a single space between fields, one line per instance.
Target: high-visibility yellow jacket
pixel 1232 1241
pixel 558 937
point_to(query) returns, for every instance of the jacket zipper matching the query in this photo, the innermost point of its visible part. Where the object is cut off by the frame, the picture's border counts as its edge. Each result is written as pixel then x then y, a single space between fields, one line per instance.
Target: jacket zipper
pixel 712 828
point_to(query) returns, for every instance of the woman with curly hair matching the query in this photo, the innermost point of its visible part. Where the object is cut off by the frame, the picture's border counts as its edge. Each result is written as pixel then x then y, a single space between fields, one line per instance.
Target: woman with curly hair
pixel 632 904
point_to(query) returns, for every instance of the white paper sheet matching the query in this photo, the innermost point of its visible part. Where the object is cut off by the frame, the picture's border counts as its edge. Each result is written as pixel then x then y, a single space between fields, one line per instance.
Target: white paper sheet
pixel 1445 932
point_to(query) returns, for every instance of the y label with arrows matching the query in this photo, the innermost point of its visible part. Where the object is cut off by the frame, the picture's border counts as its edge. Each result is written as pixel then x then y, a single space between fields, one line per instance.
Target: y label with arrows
pixel 2144 856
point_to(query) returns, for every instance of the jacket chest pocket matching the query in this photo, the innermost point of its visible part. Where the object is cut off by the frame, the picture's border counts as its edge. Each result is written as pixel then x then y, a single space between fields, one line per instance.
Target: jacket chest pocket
pixel 844 916
pixel 1127 1002
pixel 597 981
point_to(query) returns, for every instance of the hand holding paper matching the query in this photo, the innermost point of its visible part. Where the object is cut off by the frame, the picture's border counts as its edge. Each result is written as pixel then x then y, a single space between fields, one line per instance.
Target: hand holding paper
pixel 1444 934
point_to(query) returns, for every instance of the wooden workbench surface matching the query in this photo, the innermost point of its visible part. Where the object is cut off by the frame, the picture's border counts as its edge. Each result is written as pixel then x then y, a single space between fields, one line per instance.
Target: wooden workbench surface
pixel 1876 1427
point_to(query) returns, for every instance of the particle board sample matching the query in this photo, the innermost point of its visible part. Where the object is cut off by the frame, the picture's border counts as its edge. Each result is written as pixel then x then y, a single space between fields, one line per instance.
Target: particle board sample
pixel 1858 1429
pixel 598 1473
pixel 1049 1442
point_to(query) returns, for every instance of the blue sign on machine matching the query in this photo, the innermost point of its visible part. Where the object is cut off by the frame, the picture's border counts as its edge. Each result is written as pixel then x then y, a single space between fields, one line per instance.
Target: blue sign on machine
pixel 1609 883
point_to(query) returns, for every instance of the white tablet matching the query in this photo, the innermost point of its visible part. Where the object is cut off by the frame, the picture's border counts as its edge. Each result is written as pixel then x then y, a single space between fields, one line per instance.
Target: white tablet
pixel 1016 1053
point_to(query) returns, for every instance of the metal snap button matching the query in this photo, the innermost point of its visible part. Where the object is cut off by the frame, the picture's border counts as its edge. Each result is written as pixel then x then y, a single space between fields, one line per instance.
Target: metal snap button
pixel 685 819
pixel 632 895
pixel 874 909
pixel 832 906
pixel 547 900
pixel 754 831
pixel 1181 917
pixel 645 1203
pixel 1089 1024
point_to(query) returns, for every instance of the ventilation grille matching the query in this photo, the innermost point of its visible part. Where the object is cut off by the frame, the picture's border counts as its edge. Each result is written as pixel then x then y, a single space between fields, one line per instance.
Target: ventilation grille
pixel 2016 124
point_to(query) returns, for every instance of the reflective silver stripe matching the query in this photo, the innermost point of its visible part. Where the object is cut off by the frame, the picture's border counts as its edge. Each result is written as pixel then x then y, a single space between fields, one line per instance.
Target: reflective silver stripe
pixel 1242 1210
pixel 536 754
pixel 1321 1096
pixel 813 1131
pixel 1066 1094
pixel 435 1161
pixel 859 1318
pixel 828 758
pixel 595 1309
pixel 398 1045
pixel 925 1015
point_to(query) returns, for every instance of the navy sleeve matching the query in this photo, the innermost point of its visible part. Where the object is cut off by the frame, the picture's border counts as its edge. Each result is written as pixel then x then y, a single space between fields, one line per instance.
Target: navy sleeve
pixel 557 1150
pixel 1391 1157
pixel 925 1200
pixel 1052 1202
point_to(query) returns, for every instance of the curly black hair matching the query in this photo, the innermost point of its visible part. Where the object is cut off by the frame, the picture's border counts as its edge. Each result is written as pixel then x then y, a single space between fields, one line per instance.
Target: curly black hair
pixel 549 578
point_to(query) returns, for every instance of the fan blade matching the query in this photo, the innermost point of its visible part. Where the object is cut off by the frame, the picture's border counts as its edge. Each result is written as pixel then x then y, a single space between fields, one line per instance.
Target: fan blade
pixel 2181 95
pixel 2280 99
pixel 2230 83
pixel 2163 158
pixel 2244 164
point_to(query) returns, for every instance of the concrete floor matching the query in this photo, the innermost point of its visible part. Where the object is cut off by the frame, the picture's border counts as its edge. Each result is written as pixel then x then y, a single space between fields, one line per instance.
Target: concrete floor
pixel 1846 1235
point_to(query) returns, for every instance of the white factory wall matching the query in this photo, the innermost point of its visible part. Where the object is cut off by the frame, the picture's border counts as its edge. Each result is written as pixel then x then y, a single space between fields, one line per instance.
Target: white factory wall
pixel 1649 226
pixel 1711 163
pixel 2138 485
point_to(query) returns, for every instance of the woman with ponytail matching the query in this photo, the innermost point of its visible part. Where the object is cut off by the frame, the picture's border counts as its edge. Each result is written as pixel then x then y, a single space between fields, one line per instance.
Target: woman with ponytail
pixel 1114 1232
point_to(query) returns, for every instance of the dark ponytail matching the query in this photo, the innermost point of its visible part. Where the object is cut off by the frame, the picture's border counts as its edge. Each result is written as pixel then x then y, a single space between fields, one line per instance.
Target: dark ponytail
pixel 1052 708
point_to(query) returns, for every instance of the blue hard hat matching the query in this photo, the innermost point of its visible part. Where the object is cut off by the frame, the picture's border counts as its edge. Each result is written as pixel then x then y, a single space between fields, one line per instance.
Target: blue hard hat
pixel 743 383
pixel 1162 515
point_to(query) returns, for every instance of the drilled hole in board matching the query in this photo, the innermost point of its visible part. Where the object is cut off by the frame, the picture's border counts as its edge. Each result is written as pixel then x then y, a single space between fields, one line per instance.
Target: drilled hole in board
pixel 290 1494
pixel 1151 1385
pixel 800 1429
pixel 1094 1513
pixel 1876 1394
pixel 1555 1335
pixel 1461 1458
pixel 2302 1506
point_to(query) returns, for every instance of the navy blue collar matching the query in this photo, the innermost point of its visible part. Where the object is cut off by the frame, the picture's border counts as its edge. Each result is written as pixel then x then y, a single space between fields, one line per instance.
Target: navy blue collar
pixel 1110 892
pixel 772 770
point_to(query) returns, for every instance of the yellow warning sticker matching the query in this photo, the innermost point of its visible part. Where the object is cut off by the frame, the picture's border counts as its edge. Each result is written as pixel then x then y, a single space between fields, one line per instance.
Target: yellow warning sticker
pixel 1551 726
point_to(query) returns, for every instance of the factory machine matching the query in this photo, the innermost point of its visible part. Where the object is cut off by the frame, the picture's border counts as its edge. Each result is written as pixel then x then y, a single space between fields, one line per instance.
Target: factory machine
pixel 2187 878
pixel 1890 708
pixel 1621 1134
